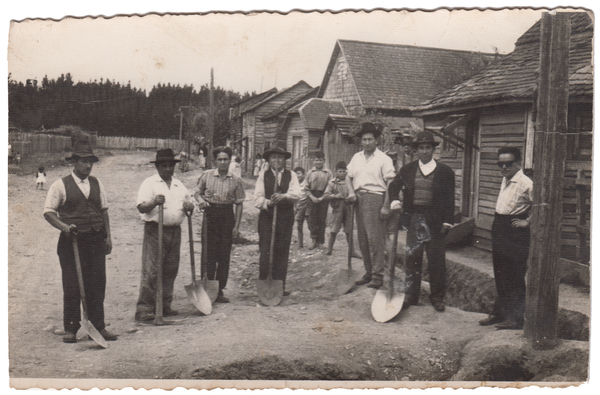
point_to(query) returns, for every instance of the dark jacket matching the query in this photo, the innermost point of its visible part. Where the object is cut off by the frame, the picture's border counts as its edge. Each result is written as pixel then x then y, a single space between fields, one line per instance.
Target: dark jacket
pixel 443 192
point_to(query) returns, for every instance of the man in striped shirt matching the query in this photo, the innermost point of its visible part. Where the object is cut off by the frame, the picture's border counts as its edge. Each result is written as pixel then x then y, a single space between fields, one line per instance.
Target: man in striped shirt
pixel 221 194
pixel 510 242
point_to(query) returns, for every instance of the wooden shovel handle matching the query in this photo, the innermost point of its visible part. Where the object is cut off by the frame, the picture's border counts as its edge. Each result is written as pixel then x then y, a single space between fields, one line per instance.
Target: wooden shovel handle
pixel 79 272
pixel 192 257
pixel 272 247
pixel 350 237
pixel 158 314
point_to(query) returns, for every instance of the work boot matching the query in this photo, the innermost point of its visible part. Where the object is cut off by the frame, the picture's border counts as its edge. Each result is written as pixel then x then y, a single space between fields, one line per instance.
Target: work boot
pixel 221 298
pixel 144 316
pixel 70 337
pixel 508 325
pixel 109 336
pixel 169 312
pixel 438 306
pixel 313 244
pixel 490 320
pixel 375 283
pixel 364 280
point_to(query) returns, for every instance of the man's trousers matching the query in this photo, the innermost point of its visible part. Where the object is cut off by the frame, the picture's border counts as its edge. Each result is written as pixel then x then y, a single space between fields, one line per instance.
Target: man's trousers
pixel 283 238
pixel 371 233
pixel 219 220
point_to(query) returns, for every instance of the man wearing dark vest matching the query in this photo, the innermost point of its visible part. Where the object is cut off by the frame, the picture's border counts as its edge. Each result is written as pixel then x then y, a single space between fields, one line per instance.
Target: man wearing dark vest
pixel 276 186
pixel 428 190
pixel 77 204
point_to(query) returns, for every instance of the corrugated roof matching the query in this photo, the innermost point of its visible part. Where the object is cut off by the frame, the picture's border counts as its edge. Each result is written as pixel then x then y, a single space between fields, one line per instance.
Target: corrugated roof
pixel 513 77
pixel 299 98
pixel 391 76
pixel 314 112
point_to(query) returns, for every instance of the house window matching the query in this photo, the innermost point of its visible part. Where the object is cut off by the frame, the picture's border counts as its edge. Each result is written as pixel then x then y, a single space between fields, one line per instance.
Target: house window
pixel 297 148
pixel 447 149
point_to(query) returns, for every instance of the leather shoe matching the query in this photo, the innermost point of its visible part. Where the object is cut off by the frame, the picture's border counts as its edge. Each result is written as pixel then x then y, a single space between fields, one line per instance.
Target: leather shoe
pixel 364 280
pixel 144 317
pixel 490 320
pixel 70 337
pixel 109 336
pixel 221 299
pixel 376 283
pixel 286 293
pixel 169 312
pixel 439 306
pixel 406 304
pixel 508 325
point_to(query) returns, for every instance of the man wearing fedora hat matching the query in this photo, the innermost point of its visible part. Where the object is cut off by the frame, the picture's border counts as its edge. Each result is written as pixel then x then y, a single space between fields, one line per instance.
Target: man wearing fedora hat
pixel 161 188
pixel 76 204
pixel 276 186
pixel 428 190
pixel 370 172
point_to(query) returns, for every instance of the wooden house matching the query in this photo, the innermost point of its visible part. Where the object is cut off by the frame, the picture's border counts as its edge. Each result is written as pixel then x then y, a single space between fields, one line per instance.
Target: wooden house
pixel 253 125
pixel 304 128
pixel 495 108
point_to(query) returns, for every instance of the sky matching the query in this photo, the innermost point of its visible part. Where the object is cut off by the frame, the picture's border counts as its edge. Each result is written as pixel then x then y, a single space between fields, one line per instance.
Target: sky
pixel 247 52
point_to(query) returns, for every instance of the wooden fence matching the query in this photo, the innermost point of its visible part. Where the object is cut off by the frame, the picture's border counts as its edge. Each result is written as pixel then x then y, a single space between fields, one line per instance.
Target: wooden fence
pixel 29 143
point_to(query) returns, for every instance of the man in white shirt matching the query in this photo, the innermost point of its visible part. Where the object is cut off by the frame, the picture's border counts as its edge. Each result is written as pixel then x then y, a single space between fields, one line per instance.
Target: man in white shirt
pixel 77 204
pixel 510 242
pixel 161 188
pixel 427 187
pixel 370 172
pixel 276 186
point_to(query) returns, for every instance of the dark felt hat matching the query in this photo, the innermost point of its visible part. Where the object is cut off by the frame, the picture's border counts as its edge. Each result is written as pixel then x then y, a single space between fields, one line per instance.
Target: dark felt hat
pixel 165 155
pixel 82 149
pixel 424 137
pixel 369 127
pixel 276 150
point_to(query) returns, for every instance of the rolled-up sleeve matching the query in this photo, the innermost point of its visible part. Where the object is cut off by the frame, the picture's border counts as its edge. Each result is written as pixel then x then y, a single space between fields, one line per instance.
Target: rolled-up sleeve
pixel 260 201
pixel 103 199
pixel 239 193
pixel 145 193
pixel 294 190
pixel 55 198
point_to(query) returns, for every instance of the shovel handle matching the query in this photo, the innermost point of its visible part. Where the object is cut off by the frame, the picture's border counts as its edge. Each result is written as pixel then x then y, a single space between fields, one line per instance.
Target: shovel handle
pixel 203 255
pixel 79 272
pixel 351 237
pixel 192 257
pixel 158 314
pixel 272 247
pixel 393 258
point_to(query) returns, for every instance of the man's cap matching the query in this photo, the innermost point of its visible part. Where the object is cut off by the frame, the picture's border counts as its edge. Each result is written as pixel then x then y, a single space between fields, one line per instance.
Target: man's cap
pixel 425 137
pixel 369 127
pixel 82 149
pixel 165 155
pixel 276 150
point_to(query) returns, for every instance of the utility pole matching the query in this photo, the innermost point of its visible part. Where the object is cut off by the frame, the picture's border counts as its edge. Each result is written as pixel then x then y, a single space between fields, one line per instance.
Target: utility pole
pixel 549 158
pixel 180 115
pixel 211 116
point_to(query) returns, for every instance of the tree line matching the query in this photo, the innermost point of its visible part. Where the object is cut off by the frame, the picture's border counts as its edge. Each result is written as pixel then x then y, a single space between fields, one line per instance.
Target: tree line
pixel 114 109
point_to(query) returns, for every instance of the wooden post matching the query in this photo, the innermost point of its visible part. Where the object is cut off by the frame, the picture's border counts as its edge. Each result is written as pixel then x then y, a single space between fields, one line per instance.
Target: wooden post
pixel 211 122
pixel 549 167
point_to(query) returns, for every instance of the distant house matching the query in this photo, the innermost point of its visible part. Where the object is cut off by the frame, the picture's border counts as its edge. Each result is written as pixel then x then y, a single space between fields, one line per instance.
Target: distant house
pixel 304 127
pixel 253 125
pixel 495 108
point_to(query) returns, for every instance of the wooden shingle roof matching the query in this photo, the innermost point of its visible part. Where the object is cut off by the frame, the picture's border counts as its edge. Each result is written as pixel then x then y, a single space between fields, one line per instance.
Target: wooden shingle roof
pixel 242 105
pixel 299 98
pixel 392 76
pixel 300 83
pixel 513 77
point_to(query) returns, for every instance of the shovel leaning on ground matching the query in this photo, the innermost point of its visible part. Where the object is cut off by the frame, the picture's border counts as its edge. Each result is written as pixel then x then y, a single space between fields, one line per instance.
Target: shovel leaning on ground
pixel 210 286
pixel 348 277
pixel 85 324
pixel 270 292
pixel 387 303
pixel 195 291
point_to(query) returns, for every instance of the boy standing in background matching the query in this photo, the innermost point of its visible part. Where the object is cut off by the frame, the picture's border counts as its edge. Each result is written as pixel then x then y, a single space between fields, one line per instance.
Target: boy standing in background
pixel 316 181
pixel 301 207
pixel 337 193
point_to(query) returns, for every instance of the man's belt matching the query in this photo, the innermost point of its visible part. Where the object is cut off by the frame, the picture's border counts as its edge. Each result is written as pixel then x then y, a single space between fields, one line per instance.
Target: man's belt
pixel 153 224
pixel 219 205
pixel 362 191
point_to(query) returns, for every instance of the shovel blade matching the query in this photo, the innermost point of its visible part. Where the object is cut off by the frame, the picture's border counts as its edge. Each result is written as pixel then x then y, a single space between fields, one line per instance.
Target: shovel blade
pixel 386 305
pixel 270 292
pixel 211 287
pixel 199 297
pixel 93 333
pixel 346 280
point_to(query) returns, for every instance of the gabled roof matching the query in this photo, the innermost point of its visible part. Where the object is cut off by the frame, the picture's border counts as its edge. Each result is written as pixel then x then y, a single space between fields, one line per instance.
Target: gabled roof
pixel 343 122
pixel 392 76
pixel 299 98
pixel 242 105
pixel 513 77
pixel 314 112
pixel 268 98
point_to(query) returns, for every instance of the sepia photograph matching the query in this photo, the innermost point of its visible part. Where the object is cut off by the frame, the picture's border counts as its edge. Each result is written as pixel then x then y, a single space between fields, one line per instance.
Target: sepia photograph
pixel 342 198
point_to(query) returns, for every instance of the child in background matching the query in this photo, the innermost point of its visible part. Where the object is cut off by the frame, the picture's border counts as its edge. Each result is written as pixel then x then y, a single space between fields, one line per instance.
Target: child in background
pixel 40 178
pixel 235 167
pixel 315 184
pixel 301 208
pixel 337 193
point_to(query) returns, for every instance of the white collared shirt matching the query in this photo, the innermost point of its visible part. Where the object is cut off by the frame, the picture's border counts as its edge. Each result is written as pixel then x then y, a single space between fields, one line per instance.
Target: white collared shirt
pixel 373 173
pixel 175 196
pixel 57 194
pixel 427 168
pixel 515 195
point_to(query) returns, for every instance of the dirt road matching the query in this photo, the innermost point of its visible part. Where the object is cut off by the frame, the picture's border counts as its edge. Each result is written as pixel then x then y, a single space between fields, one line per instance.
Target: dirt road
pixel 312 335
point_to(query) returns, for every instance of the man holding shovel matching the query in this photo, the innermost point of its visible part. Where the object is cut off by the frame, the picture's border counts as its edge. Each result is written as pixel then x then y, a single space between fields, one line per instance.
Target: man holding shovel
pixel 221 195
pixel 76 204
pixel 161 189
pixel 276 187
